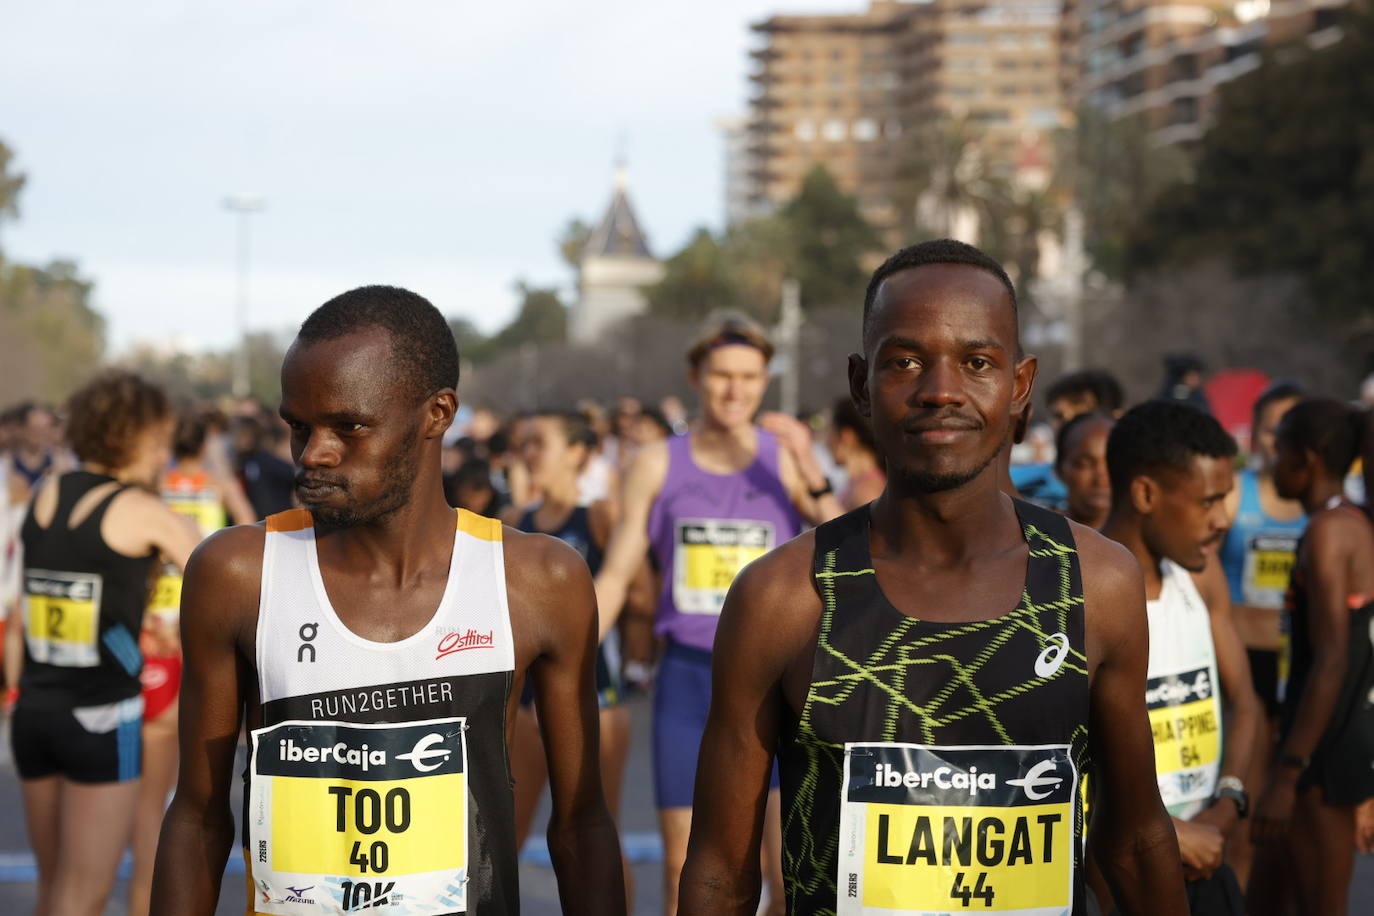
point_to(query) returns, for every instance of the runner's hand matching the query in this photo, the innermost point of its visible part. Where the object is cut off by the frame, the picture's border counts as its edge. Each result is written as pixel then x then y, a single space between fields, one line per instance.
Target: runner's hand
pixel 1222 815
pixel 1364 826
pixel 1275 807
pixel 794 435
pixel 1201 847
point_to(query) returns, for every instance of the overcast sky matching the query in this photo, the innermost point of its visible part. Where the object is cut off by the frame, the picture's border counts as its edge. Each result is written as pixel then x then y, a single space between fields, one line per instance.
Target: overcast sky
pixel 436 145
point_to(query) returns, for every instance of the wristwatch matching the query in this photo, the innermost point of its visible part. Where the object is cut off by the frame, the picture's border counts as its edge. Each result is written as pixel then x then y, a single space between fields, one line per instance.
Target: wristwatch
pixel 823 490
pixel 1231 787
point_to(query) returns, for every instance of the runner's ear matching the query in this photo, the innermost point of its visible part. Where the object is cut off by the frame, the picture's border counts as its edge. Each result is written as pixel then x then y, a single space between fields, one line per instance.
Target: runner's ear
pixel 858 384
pixel 1144 494
pixel 439 411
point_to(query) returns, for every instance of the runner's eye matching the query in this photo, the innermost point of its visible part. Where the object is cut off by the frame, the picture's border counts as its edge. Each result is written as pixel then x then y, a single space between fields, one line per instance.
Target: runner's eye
pixel 978 364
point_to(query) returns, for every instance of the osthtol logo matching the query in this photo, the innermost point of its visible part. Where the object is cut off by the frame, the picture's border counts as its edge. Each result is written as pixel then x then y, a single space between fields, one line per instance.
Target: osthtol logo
pixel 455 641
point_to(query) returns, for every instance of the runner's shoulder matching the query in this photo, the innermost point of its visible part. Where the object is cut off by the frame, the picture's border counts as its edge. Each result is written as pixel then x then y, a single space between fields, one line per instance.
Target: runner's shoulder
pixel 1338 526
pixel 1109 570
pixel 782 580
pixel 229 560
pixel 538 563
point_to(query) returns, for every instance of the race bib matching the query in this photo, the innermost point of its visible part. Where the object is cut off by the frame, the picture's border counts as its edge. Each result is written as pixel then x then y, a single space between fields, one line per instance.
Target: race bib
pixel 708 554
pixel 933 830
pixel 166 596
pixel 203 508
pixel 62 617
pixel 345 818
pixel 1269 560
pixel 1185 719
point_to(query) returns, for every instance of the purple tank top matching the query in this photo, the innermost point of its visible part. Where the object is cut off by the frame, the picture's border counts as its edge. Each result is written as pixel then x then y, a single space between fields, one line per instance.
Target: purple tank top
pixel 706 527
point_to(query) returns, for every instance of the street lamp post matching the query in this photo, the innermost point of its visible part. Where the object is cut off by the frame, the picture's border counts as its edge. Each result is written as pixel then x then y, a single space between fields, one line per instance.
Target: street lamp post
pixel 245 205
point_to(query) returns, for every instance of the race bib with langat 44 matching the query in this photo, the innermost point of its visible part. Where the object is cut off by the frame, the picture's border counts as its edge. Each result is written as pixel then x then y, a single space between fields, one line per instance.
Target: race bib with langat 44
pixel 928 830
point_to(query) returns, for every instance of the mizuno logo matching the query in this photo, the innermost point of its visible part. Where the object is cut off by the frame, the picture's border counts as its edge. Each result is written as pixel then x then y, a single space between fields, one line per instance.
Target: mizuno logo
pixel 425 750
pixel 1039 775
pixel 1051 659
pixel 299 891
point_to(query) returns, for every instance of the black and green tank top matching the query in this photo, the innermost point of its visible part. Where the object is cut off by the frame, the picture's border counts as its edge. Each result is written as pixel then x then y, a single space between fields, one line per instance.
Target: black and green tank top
pixel 936 767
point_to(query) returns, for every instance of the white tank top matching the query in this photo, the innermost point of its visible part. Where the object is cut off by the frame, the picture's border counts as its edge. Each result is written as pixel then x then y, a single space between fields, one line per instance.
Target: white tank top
pixel 379 778
pixel 1183 695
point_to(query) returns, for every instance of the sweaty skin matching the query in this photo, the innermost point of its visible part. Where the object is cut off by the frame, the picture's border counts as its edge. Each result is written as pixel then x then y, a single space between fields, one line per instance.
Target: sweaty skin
pixel 941 378
pixel 385 579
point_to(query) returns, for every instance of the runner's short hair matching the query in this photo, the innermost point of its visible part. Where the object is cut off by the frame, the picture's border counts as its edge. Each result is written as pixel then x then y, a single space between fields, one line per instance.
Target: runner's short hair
pixel 727 330
pixel 1098 384
pixel 107 415
pixel 1064 437
pixel 1277 390
pixel 1162 437
pixel 935 251
pixel 424 355
pixel 1331 429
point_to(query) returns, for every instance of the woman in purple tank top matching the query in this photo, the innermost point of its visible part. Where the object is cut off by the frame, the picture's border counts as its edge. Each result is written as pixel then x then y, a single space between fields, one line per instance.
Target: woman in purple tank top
pixel 708 503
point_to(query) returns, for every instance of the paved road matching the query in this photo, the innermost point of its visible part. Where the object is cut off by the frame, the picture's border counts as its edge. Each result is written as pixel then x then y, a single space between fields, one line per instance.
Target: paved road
pixel 539 892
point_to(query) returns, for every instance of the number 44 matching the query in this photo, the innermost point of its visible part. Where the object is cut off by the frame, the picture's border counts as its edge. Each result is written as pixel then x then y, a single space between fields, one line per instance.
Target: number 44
pixel 981 889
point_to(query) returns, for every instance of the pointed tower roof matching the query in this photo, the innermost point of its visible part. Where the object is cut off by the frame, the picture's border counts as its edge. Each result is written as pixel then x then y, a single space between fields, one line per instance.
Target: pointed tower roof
pixel 618 234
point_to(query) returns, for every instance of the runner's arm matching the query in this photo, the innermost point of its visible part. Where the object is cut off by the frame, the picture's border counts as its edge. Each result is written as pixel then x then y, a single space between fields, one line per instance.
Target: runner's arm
pixel 1132 836
pixel 235 501
pixel 629 542
pixel 14 650
pixel 761 632
pixel 139 523
pixel 219 608
pixel 1243 713
pixel 800 471
pixel 1327 560
pixel 582 837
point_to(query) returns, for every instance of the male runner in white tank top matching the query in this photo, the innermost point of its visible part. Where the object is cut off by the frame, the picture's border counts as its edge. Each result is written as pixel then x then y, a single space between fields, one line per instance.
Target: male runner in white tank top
pixel 1171 468
pixel 377 642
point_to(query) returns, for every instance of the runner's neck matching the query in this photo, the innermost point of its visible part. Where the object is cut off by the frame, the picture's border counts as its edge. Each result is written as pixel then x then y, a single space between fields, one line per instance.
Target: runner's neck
pixel 945 527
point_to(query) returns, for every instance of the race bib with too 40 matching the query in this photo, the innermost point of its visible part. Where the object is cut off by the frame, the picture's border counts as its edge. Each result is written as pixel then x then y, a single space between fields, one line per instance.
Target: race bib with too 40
pixel 346 817
pixel 928 830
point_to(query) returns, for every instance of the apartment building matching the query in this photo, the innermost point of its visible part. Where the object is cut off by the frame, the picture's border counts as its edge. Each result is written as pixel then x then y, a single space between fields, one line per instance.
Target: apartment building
pixel 1165 60
pixel 850 90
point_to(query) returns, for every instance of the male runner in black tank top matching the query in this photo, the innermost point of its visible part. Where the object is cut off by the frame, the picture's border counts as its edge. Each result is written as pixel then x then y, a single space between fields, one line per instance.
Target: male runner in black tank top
pixel 368 389
pixel 890 627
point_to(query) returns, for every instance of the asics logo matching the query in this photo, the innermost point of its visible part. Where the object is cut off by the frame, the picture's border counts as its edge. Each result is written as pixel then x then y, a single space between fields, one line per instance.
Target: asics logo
pixel 1052 658
pixel 1042 774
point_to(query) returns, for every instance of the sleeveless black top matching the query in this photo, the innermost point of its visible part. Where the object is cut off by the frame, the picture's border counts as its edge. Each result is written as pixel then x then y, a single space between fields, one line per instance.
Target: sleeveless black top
pixel 83 606
pixel 1341 762
pixel 936 766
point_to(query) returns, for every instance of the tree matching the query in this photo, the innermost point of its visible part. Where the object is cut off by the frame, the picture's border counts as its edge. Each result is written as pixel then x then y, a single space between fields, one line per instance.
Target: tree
pixel 542 318
pixel 826 239
pixel 1285 178
pixel 11 183
pixel 473 345
pixel 572 241
pixel 49 312
pixel 1114 174
pixel 948 186
pixel 696 281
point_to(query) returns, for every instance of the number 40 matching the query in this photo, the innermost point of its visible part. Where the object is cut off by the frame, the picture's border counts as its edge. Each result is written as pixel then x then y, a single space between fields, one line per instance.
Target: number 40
pixel 981 889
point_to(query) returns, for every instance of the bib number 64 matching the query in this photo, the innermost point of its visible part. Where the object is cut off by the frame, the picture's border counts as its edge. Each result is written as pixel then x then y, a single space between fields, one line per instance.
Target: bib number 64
pixel 966 894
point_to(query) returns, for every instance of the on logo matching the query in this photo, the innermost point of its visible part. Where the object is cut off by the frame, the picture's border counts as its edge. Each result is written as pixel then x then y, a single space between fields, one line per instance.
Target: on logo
pixel 308 632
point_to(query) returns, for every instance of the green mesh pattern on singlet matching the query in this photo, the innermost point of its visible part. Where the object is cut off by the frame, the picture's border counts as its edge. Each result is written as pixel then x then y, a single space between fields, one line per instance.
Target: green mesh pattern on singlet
pixel 908 680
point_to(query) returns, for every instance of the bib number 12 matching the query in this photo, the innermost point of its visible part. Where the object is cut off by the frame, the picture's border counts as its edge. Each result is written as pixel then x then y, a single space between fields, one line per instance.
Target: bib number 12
pixel 966 894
